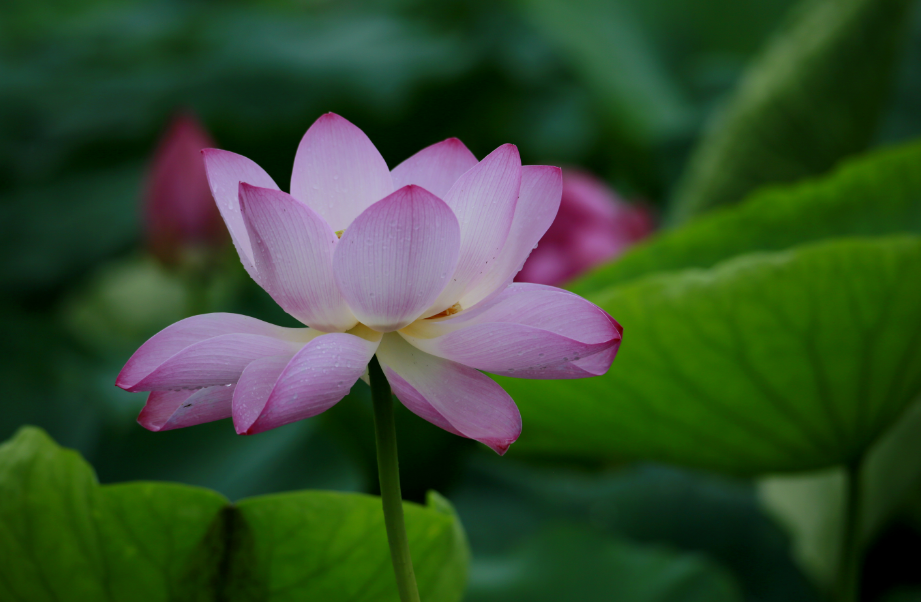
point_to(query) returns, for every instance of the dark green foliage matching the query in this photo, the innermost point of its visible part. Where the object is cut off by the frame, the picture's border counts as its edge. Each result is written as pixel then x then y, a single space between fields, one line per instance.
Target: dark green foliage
pixel 814 97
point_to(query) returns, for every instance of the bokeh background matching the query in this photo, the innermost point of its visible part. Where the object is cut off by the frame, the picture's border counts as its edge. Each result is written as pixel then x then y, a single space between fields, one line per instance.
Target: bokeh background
pixel 624 89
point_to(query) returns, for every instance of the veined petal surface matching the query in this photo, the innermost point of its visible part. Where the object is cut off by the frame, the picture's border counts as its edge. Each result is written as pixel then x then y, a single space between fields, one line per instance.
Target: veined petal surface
pixel 293 250
pixel 216 361
pixel 435 168
pixel 168 410
pixel 528 331
pixel 483 199
pixel 253 389
pixel 538 203
pixel 183 334
pixel 396 257
pixel 338 172
pixel 225 172
pixel 279 392
pixel 470 402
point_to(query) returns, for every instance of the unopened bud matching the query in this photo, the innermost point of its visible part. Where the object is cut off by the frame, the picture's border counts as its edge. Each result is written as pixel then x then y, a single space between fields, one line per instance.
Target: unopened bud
pixel 180 215
pixel 594 225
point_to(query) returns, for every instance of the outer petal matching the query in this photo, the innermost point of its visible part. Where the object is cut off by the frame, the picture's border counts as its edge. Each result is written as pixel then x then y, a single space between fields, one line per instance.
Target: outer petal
pixel 538 203
pixel 279 392
pixel 293 249
pixel 253 390
pixel 483 199
pixel 217 361
pixel 529 331
pixel 395 259
pixel 436 168
pixel 225 172
pixel 338 172
pixel 167 410
pixel 469 402
pixel 186 333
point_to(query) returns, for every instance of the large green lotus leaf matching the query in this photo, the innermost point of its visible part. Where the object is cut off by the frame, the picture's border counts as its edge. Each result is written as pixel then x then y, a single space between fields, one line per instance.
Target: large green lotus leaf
pixel 331 546
pixel 812 505
pixel 569 563
pixel 814 97
pixel 64 537
pixel 770 362
pixel 879 193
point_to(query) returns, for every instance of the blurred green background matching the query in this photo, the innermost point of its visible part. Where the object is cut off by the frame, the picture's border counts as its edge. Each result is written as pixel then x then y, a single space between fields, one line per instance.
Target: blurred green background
pixel 683 104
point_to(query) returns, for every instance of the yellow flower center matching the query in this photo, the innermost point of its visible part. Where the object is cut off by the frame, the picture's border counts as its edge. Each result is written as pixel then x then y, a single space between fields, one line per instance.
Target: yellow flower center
pixel 448 312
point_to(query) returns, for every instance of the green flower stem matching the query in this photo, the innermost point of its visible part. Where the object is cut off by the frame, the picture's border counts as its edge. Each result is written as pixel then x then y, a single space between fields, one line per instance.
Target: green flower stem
pixel 389 471
pixel 848 586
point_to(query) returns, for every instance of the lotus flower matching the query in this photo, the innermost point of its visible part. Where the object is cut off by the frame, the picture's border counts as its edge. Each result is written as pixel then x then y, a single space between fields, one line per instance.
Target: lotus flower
pixel 179 213
pixel 593 226
pixel 414 265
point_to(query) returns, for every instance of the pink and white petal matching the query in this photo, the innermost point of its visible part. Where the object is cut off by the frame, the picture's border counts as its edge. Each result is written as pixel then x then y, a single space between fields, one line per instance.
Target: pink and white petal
pixel 185 333
pixel 483 199
pixel 216 361
pixel 313 381
pixel 293 250
pixel 470 402
pixel 396 257
pixel 416 403
pixel 253 389
pixel 338 172
pixel 600 363
pixel 168 410
pixel 538 203
pixel 435 168
pixel 225 172
pixel 528 331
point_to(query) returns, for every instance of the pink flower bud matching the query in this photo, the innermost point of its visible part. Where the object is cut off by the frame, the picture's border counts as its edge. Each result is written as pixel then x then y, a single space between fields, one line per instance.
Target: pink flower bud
pixel 593 226
pixel 179 212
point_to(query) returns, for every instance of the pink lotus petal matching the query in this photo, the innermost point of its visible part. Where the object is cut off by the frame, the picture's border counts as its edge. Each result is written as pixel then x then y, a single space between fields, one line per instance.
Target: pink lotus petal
pixel 338 172
pixel 253 389
pixel 313 381
pixel 593 226
pixel 396 257
pixel 185 333
pixel 528 331
pixel 483 199
pixel 538 203
pixel 168 410
pixel 435 168
pixel 179 212
pixel 293 250
pixel 216 361
pixel 225 172
pixel 600 363
pixel 416 403
pixel 469 401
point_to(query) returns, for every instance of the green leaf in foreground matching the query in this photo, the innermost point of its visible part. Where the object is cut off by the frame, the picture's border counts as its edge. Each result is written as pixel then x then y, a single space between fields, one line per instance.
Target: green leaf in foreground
pixel 876 194
pixel 770 362
pixel 814 97
pixel 64 537
pixel 569 563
